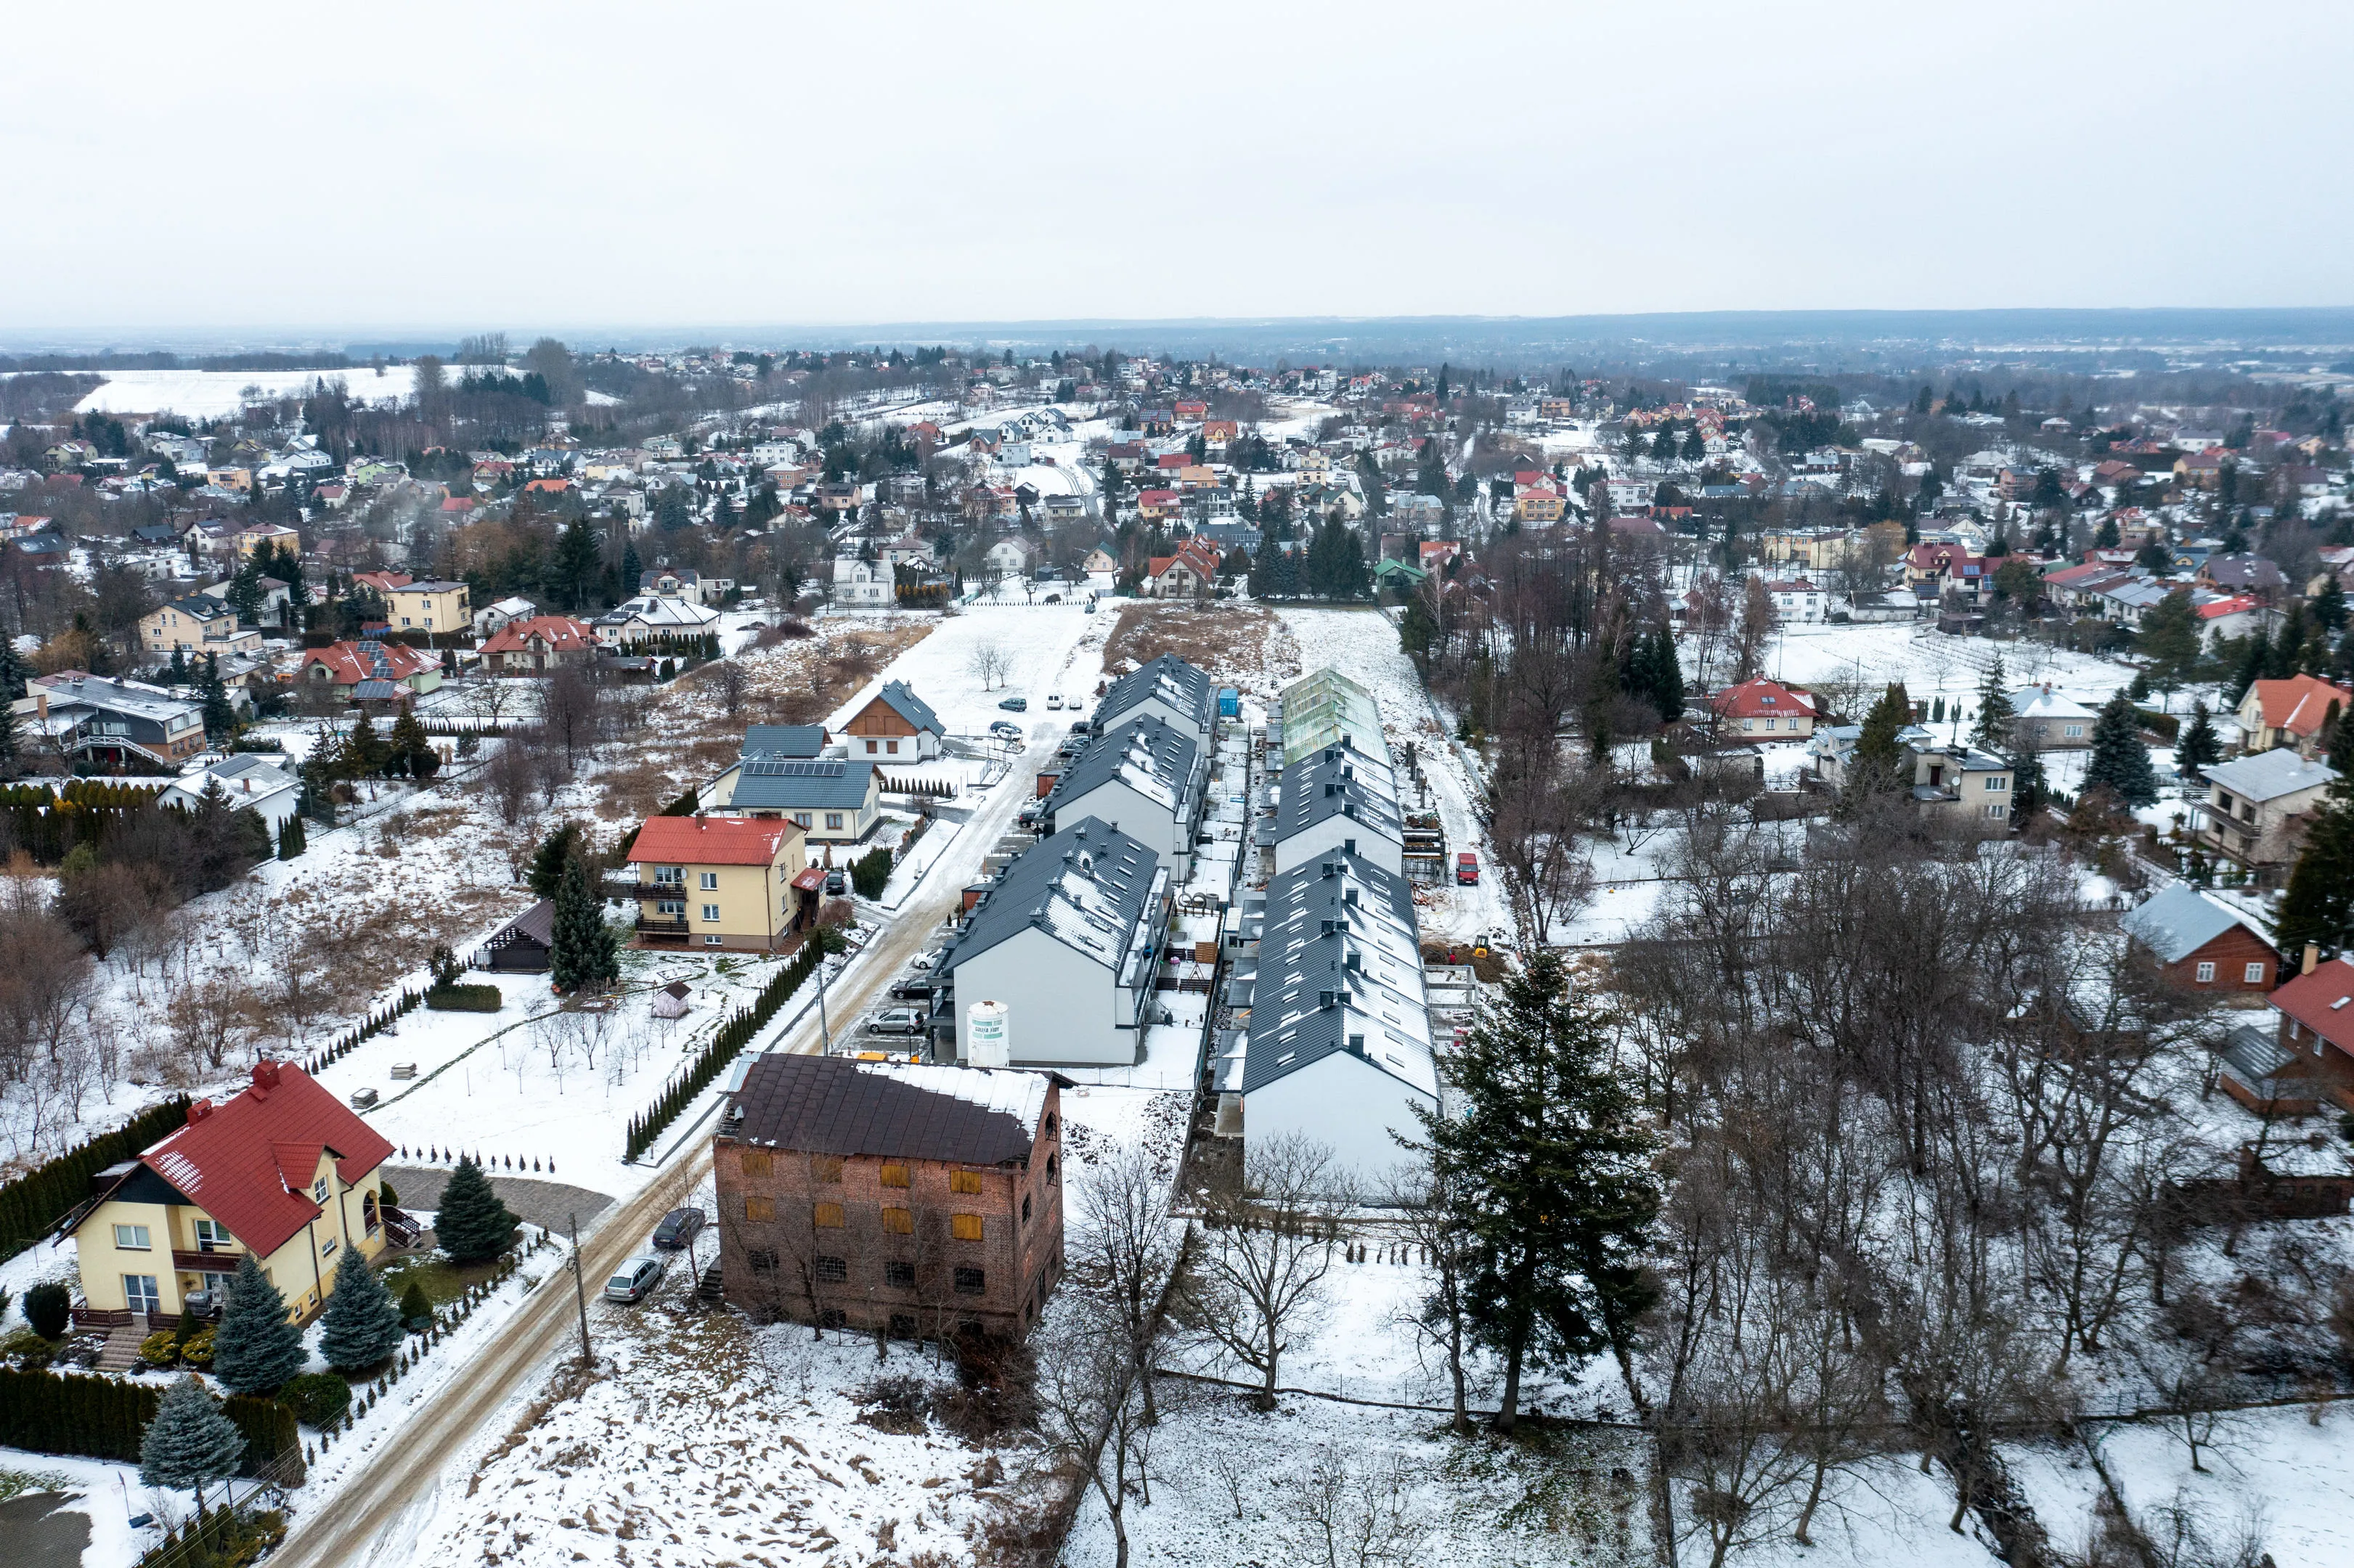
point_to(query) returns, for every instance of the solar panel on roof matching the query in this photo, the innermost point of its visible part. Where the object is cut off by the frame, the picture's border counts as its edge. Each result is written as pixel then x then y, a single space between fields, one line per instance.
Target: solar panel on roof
pixel 775 768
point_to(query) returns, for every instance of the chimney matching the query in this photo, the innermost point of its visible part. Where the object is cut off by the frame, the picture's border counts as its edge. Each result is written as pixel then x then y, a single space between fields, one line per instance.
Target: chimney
pixel 2312 958
pixel 698 822
pixel 198 1111
pixel 1323 1000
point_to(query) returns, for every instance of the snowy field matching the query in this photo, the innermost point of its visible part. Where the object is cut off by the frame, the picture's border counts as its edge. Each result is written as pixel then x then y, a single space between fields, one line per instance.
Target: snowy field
pixel 218 393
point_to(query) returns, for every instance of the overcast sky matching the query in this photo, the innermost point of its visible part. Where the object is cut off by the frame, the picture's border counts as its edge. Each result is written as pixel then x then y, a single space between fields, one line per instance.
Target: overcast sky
pixel 497 165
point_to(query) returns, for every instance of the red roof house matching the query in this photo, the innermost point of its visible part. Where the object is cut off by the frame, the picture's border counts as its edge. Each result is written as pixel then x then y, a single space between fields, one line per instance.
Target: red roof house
pixel 1766 710
pixel 538 643
pixel 2291 712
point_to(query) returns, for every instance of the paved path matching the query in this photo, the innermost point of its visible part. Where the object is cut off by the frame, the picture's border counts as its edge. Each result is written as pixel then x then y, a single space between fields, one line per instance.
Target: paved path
pixel 535 1203
pixel 41 1534
pixel 376 1517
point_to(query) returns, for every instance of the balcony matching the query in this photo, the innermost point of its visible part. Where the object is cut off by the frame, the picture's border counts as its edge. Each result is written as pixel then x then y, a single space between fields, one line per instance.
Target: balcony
pixel 222 1262
pixel 662 927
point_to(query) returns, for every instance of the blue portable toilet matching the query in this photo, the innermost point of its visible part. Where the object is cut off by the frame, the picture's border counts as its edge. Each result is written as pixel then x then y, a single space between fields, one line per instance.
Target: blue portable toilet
pixel 1230 703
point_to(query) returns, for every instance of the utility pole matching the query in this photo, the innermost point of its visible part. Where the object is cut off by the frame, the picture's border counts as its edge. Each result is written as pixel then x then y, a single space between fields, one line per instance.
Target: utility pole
pixel 825 1029
pixel 579 1290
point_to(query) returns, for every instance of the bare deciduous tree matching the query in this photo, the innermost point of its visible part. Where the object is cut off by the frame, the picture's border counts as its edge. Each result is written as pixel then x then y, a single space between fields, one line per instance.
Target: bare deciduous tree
pixel 1271 1230
pixel 1126 1249
pixel 989 663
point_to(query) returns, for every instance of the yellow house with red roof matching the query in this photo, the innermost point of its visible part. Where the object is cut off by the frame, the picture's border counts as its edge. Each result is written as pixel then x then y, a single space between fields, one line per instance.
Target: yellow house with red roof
pixel 281 1172
pixel 722 882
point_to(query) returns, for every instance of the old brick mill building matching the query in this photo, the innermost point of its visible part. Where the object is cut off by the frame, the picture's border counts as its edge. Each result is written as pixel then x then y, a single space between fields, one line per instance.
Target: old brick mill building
pixel 918 1201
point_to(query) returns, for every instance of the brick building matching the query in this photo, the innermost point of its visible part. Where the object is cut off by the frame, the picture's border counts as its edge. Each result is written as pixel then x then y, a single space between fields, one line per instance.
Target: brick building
pixel 2203 943
pixel 920 1200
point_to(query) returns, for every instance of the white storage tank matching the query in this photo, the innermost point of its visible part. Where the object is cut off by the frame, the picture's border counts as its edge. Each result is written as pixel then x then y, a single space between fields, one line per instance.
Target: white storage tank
pixel 985 1042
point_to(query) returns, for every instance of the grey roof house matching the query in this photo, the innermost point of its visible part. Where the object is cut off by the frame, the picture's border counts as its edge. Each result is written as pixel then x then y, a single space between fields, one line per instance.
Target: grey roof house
pixel 1340 799
pixel 1147 778
pixel 1066 938
pixel 1168 689
pixel 832 801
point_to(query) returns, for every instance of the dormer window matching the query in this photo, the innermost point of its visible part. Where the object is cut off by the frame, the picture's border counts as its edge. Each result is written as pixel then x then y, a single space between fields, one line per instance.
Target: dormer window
pixel 319 1190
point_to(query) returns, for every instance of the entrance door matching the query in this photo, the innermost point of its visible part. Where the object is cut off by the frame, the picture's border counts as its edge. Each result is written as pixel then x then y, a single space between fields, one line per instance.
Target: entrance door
pixel 139 1292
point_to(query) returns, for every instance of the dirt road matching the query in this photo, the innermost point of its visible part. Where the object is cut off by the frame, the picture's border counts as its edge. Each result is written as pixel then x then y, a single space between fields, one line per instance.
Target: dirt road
pixel 375 1520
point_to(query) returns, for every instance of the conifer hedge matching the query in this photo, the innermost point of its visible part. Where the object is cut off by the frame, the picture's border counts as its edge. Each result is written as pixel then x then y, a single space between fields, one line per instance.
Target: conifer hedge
pixel 723 1048
pixel 37 1199
pixel 104 1417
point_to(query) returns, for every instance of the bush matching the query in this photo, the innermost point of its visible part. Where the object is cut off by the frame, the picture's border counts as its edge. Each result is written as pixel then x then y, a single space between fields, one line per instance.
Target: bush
pixel 2166 726
pixel 198 1348
pixel 416 1308
pixel 27 1349
pixel 48 1308
pixel 464 999
pixel 384 1193
pixel 317 1399
pixel 31 1204
pixel 160 1349
pixel 870 871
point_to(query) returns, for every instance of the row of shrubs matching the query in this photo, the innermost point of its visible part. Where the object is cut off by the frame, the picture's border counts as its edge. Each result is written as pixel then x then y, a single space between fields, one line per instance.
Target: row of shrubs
pixel 31 1204
pixel 461 998
pixel 375 1024
pixel 103 1417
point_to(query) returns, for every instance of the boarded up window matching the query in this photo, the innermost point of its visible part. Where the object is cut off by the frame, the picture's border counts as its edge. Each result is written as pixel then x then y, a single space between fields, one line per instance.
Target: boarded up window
pixel 756 1207
pixel 964 1180
pixel 899 1222
pixel 965 1227
pixel 829 1215
pixel 894 1175
pixel 759 1162
pixel 827 1168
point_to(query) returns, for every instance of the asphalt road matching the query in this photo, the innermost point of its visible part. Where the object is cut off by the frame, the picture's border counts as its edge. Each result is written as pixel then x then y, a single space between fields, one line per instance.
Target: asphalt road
pixel 41 1533
pixel 377 1517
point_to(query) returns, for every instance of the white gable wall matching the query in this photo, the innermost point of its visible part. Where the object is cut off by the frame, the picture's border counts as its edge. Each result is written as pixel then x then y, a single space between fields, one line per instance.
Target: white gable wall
pixel 1347 1104
pixel 1063 1008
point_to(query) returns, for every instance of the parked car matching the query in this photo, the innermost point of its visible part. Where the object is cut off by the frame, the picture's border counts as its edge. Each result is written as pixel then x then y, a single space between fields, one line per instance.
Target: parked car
pixel 1082 726
pixel 635 1281
pixel 916 987
pixel 835 883
pixel 679 1228
pixel 1467 869
pixel 1015 705
pixel 1055 700
pixel 922 962
pixel 1003 730
pixel 896 1021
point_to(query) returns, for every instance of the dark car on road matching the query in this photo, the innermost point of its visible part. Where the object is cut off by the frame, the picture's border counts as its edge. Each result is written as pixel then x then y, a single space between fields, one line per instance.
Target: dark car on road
pixel 1015 705
pixel 678 1228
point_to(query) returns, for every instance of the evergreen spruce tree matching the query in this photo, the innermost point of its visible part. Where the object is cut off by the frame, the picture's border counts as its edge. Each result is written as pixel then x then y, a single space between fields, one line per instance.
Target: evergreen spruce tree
pixel 191 1443
pixel 2286 655
pixel 1878 762
pixel 415 1307
pixel 361 1324
pixel 2027 785
pixel 1996 717
pixel 412 748
pixel 1549 1168
pixel 2318 905
pixel 2199 744
pixel 175 673
pixel 563 844
pixel 1667 684
pixel 2120 762
pixel 221 716
pixel 289 838
pixel 2328 608
pixel 364 751
pixel 2247 668
pixel 471 1224
pixel 255 1348
pixel 582 954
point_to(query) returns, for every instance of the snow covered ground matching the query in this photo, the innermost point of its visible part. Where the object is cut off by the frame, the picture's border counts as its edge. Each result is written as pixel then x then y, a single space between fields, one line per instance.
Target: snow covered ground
pixel 216 394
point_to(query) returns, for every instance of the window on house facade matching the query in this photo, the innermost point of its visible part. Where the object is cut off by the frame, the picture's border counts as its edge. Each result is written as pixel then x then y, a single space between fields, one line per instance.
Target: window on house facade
pixel 761 1260
pixel 2253 974
pixel 965 1227
pixel 213 1236
pixel 1025 1208
pixel 802 820
pixel 825 1168
pixel 833 820
pixel 711 912
pixel 1996 785
pixel 970 1281
pixel 319 1190
pixel 899 1222
pixel 899 1275
pixel 327 1248
pixel 759 1207
pixel 1998 812
pixel 132 1238
pixel 828 1216
pixel 870 749
pixel 710 881
pixel 894 1174
pixel 964 1180
pixel 833 1270
pixel 2206 973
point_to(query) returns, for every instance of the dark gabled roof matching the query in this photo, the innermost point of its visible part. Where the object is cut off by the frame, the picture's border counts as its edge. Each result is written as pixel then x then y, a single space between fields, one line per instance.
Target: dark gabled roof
pixel 1085 886
pixel 1329 783
pixel 832 1105
pixel 901 700
pixel 1148 753
pixel 776 783
pixel 535 923
pixel 1184 687
pixel 798 741
pixel 1339 970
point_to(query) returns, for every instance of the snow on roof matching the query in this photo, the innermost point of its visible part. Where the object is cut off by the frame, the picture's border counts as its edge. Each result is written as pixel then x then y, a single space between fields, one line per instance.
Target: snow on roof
pixel 2178 922
pixel 1086 886
pixel 2269 775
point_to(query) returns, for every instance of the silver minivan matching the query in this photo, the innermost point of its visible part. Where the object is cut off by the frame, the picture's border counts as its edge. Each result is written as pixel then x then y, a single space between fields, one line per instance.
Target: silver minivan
pixel 635 1281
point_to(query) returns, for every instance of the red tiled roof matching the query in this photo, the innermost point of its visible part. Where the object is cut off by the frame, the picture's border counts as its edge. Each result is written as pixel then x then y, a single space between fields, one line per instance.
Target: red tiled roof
pixel 2323 1001
pixel 383 581
pixel 561 633
pixel 1155 497
pixel 1762 698
pixel 248 1161
pixel 711 841
pixel 350 666
pixel 2300 702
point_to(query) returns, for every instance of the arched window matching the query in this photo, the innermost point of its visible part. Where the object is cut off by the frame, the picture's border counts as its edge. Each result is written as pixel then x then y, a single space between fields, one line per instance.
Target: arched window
pixel 369 1213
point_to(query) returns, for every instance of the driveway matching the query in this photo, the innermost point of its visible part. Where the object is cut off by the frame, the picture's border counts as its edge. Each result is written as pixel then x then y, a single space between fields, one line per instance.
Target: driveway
pixel 41 1533
pixel 548 1203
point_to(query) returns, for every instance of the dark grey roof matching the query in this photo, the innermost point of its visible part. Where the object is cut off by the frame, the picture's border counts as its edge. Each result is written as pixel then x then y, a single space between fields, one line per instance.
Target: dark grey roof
pixel 1085 886
pixel 1339 969
pixel 1184 687
pixel 831 1105
pixel 1150 755
pixel 1335 782
pixel 776 783
pixel 538 923
pixel 900 699
pixel 2178 922
pixel 784 740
